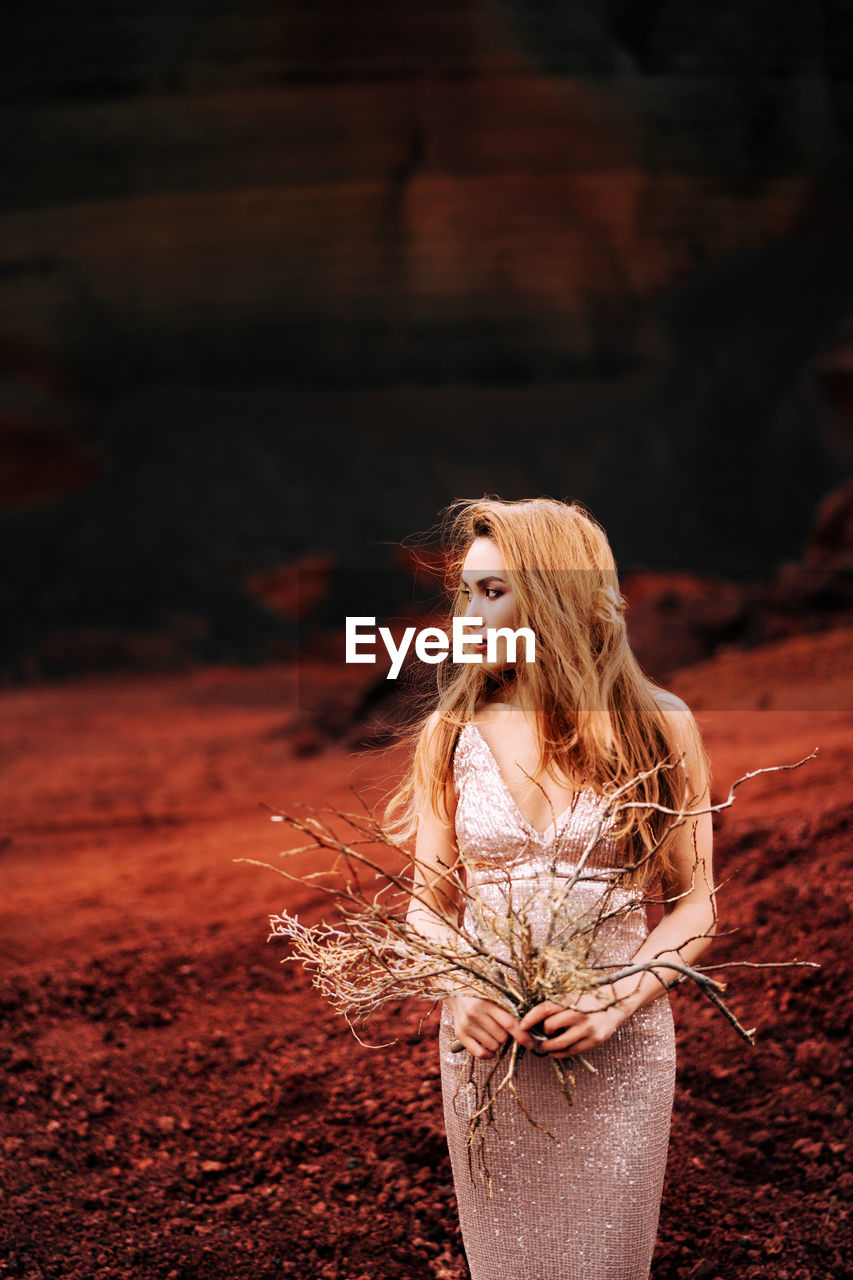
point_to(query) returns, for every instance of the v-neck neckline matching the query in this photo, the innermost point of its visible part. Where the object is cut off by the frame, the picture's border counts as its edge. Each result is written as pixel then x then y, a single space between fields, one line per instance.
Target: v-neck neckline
pixel 552 826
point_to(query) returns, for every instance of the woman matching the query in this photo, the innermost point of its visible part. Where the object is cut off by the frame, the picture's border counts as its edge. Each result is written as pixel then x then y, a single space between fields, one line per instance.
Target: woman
pixel 508 779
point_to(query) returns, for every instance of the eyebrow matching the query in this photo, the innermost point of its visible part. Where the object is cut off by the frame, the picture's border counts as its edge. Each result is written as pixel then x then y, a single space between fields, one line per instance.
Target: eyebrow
pixel 481 582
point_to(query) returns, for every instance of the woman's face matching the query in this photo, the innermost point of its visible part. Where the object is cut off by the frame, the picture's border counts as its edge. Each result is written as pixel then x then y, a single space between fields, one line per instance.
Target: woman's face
pixel 486 588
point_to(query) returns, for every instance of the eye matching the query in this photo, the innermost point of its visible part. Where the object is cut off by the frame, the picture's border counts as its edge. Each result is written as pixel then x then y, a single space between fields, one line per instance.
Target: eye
pixel 491 593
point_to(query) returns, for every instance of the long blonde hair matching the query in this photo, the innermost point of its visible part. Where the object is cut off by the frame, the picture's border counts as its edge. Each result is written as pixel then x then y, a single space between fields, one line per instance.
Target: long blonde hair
pixel 603 719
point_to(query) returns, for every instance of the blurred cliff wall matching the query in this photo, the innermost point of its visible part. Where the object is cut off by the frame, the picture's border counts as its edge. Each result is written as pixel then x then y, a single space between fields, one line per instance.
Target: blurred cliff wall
pixel 284 277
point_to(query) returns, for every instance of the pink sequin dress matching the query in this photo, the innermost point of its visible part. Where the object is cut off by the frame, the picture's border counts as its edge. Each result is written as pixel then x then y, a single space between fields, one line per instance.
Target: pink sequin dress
pixel 581 1204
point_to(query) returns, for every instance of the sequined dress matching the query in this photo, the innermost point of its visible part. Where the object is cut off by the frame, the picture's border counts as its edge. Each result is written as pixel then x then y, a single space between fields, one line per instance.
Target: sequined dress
pixel 584 1203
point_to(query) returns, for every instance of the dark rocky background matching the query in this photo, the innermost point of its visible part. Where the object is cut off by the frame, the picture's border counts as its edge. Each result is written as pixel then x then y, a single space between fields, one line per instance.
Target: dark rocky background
pixel 281 279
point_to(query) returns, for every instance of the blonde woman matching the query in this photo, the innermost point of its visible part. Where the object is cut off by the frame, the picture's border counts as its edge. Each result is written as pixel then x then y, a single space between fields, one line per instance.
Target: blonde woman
pixel 507 776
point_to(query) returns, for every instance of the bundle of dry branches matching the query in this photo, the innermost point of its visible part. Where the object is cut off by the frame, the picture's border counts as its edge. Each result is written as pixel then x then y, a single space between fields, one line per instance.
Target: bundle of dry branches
pixel 374 953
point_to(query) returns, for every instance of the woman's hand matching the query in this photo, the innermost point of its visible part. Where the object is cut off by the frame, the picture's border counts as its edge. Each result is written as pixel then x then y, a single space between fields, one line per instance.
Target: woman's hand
pixel 589 1021
pixel 483 1027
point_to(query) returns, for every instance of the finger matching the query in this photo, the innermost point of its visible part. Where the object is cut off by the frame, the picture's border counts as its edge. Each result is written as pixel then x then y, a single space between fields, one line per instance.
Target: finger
pixel 560 1021
pixel 480 1050
pixel 490 1037
pixel 538 1012
pixel 471 1031
pixel 522 1037
pixel 498 1023
pixel 569 1039
pixel 591 1037
pixel 582 1046
pixel 525 1040
pixel 512 1027
pixel 474 1046
pixel 486 1019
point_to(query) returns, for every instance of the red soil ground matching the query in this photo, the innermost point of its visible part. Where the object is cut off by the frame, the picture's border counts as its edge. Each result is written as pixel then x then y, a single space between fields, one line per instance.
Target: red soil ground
pixel 179 1105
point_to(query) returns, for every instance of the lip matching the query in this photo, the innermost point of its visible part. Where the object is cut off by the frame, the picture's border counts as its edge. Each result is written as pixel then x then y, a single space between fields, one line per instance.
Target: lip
pixel 480 646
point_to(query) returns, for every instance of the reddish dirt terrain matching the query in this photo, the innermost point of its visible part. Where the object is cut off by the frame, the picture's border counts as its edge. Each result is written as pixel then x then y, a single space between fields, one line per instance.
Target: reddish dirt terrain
pixel 177 1104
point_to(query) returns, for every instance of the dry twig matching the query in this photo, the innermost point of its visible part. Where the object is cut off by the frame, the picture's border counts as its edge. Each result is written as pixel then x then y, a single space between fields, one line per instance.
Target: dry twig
pixel 373 954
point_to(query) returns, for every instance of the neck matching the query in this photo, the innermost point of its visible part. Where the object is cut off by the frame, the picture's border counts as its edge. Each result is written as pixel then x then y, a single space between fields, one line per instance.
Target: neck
pixel 507 692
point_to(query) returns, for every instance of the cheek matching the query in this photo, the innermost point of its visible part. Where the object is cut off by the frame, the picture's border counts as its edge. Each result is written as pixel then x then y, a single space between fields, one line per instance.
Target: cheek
pixel 503 614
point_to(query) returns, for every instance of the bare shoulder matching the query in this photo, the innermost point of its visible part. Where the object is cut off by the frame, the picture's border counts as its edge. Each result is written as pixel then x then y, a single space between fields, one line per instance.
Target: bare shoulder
pixel 432 723
pixel 435 764
pixel 677 712
pixel 430 739
pixel 685 732
pixel 428 735
pixel 669 701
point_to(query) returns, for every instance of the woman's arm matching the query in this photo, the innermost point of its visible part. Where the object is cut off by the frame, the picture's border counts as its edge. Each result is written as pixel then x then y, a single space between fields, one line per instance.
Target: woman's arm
pixel 682 935
pixel 481 1026
pixel 434 907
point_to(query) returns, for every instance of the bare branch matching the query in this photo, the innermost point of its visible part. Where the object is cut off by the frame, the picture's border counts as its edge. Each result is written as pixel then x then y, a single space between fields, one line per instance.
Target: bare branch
pixel 483 933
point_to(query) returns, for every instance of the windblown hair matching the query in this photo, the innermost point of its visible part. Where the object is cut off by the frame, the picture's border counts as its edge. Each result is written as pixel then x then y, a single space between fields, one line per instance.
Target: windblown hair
pixel 603 719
